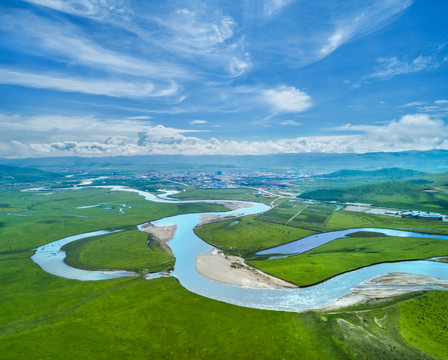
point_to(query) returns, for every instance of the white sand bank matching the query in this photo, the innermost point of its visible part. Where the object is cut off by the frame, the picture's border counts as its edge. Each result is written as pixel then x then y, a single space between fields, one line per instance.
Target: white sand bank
pixel 384 286
pixel 233 270
pixel 162 234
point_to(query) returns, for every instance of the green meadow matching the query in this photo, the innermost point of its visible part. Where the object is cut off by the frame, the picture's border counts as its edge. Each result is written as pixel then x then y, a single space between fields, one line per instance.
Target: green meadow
pixel 396 194
pixel 126 250
pixel 218 194
pixel 31 219
pixel 248 235
pixel 348 219
pixel 348 254
pixel 46 317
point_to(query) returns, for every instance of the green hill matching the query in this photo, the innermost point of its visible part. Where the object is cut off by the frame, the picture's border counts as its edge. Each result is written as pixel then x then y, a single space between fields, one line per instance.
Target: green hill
pixel 389 174
pixel 11 174
pixel 398 194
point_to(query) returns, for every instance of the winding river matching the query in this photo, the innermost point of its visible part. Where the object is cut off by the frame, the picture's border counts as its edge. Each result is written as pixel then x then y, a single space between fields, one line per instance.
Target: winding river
pixel 186 246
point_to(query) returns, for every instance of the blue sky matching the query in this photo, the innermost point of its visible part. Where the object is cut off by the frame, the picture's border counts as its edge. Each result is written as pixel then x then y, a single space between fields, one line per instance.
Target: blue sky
pixel 122 77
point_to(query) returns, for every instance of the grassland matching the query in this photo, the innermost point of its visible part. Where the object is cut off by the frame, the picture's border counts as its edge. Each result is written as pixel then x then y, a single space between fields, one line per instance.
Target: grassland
pixel 248 235
pixel 43 316
pixel 348 219
pixel 125 250
pixel 218 194
pixel 311 215
pixel 28 220
pixel 46 317
pixel 284 212
pixel 348 254
pixel 395 194
pixel 405 328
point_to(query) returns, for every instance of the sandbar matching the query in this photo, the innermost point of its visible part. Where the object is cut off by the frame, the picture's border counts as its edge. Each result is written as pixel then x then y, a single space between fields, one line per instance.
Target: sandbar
pixel 161 234
pixel 234 271
pixel 386 286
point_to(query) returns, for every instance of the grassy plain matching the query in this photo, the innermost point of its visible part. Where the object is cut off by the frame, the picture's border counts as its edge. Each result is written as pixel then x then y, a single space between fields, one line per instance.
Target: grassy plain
pixel 214 194
pixel 311 215
pixel 28 219
pixel 406 328
pixel 348 254
pixel 126 250
pixel 282 213
pixel 46 317
pixel 395 194
pixel 248 235
pixel 348 219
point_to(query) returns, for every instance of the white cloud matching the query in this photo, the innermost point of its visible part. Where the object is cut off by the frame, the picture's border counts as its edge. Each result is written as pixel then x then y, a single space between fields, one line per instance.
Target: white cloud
pixel 390 67
pixel 358 22
pixel 87 8
pixel 136 89
pixel 143 117
pixel 287 99
pixel 196 122
pixel 64 137
pixel 414 103
pixel 65 42
pixel 410 132
pixel 272 7
pixel 441 102
pixel 291 122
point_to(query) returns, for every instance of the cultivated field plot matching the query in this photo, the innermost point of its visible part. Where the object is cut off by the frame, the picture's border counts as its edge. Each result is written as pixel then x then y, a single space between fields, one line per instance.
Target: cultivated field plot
pixel 297 213
pixel 284 212
pixel 314 216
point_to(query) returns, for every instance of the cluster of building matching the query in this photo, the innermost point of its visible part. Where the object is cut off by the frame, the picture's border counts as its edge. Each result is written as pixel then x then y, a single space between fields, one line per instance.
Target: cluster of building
pixel 421 215
pixel 219 179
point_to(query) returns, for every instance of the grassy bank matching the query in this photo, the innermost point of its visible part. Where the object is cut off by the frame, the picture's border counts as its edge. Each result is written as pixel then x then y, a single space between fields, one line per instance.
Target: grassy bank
pixel 46 317
pixel 348 219
pixel 248 235
pixel 220 194
pixel 347 254
pixel 125 250
pixel 396 194
pixel 43 316
pixel 28 220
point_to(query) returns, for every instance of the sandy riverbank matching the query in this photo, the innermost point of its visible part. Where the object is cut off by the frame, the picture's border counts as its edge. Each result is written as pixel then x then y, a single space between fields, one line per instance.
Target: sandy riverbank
pixel 209 218
pixel 385 286
pixel 161 234
pixel 233 270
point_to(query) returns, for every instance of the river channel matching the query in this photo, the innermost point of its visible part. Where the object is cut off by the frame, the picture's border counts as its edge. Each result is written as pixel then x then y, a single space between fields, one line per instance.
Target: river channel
pixel 186 246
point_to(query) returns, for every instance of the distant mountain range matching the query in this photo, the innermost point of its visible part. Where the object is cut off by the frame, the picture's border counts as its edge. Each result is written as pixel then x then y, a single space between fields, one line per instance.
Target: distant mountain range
pixel 432 161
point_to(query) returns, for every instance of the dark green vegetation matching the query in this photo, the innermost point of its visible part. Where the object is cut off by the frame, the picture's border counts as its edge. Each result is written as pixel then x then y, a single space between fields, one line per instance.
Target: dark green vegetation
pixel 378 175
pixel 342 179
pixel 125 250
pixel 395 194
pixel 248 235
pixel 9 174
pixel 348 254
